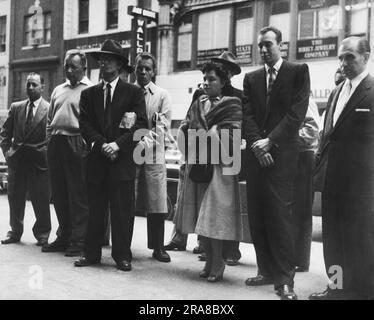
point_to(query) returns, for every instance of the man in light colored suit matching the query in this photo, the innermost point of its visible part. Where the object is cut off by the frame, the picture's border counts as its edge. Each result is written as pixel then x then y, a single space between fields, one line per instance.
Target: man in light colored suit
pixel 151 192
pixel 24 144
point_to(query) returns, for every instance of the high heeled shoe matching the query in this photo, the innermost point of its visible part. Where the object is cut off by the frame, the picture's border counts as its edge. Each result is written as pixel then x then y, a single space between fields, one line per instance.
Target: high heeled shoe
pixel 217 277
pixel 204 274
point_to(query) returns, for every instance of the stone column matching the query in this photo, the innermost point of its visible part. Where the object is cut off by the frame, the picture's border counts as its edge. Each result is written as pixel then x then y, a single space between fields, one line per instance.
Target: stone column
pixel 165 52
pixel 294 18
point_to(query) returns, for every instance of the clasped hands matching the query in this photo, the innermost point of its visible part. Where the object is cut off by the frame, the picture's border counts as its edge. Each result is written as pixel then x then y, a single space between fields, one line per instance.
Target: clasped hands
pixel 261 150
pixel 110 150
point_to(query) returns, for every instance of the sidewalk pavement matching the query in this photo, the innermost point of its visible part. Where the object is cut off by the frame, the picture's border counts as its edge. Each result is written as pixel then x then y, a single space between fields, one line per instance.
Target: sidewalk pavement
pixel 28 274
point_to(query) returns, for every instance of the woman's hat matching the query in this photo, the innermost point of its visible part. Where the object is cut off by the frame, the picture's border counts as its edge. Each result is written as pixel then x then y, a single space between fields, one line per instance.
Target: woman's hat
pixel 113 48
pixel 229 60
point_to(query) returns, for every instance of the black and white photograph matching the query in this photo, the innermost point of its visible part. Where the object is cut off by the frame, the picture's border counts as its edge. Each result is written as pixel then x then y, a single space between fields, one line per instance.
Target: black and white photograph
pixel 205 152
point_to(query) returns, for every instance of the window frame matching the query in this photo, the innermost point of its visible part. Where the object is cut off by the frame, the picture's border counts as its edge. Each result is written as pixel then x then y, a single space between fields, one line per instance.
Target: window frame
pixel 109 12
pixel 3 36
pixel 81 18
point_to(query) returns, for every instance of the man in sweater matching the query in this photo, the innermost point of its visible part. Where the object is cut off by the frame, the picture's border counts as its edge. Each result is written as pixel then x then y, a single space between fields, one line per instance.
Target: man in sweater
pixel 66 150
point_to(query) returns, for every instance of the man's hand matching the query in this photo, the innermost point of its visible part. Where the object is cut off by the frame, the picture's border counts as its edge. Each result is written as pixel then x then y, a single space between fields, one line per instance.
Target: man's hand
pixel 261 147
pixel 149 140
pixel 266 161
pixel 110 150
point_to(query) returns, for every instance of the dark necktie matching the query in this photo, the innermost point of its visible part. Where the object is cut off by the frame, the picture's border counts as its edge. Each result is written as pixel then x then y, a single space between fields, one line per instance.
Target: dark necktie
pixel 30 116
pixel 272 75
pixel 108 109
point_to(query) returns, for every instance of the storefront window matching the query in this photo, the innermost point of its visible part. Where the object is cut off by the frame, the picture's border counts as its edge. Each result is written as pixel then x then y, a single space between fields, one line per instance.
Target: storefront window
pixel 244 34
pixel 213 34
pixel 185 43
pixel 358 12
pixel 318 19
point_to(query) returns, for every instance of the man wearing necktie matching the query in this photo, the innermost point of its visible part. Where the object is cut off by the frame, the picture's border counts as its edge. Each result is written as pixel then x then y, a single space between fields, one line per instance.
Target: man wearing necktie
pixel 275 104
pixel 151 188
pixel 345 167
pixel 24 144
pixel 110 113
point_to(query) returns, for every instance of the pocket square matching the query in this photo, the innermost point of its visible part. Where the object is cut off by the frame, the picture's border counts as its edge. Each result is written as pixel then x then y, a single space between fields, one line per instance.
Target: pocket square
pixel 362 110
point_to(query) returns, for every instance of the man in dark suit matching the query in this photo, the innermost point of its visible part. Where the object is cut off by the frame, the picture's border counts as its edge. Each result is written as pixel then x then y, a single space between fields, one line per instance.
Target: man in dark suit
pixel 276 101
pixel 345 162
pixel 24 144
pixel 110 114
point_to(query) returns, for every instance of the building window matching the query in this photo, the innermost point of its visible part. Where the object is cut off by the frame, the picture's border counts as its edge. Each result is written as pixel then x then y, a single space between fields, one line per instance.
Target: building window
pixel 213 34
pixel 37 29
pixel 3 34
pixel 244 34
pixel 184 54
pixel 318 18
pixel 112 14
pixel 358 17
pixel 83 16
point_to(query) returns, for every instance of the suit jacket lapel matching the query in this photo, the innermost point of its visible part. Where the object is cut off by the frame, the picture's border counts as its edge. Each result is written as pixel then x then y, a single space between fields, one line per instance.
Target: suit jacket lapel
pixel 22 118
pixel 355 99
pixel 262 91
pixel 39 115
pixel 279 79
pixel 116 102
pixel 331 111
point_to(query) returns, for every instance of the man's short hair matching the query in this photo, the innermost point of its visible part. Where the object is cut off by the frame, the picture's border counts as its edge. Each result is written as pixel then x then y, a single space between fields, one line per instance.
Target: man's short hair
pixel 278 33
pixel 146 56
pixel 363 45
pixel 76 52
pixel 36 74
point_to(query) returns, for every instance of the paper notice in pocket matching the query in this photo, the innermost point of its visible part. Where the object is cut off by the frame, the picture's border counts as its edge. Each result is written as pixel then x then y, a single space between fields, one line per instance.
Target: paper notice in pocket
pixel 128 120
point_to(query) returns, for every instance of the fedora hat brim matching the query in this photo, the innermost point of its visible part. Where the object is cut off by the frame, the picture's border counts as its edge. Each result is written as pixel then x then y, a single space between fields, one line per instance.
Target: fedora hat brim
pixel 97 54
pixel 231 65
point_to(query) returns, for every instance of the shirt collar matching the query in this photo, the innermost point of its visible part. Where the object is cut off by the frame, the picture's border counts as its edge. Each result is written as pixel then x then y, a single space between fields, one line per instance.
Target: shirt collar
pixel 356 81
pixel 151 87
pixel 277 65
pixel 36 102
pixel 84 81
pixel 113 84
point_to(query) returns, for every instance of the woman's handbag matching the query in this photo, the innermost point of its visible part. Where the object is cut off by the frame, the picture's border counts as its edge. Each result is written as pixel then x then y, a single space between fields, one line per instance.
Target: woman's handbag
pixel 201 173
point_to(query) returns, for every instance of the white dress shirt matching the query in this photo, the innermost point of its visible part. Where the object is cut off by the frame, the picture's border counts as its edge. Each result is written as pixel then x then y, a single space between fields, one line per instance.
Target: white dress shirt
pixel 346 93
pixel 276 67
pixel 36 105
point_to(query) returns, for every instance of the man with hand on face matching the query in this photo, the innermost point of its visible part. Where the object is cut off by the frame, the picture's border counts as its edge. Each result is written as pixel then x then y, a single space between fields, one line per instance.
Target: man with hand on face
pixel 275 104
pixel 24 144
pixel 110 113
pixel 66 149
pixel 345 167
pixel 151 177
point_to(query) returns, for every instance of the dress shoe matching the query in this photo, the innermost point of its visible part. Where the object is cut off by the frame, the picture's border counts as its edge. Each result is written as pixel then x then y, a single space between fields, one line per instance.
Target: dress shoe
pixel 231 262
pixel 174 247
pixel 84 262
pixel 286 293
pixel 198 249
pixel 202 257
pixel 73 251
pixel 42 242
pixel 328 294
pixel 259 280
pixel 9 241
pixel 217 277
pixel 302 269
pixel 55 246
pixel 124 266
pixel 161 255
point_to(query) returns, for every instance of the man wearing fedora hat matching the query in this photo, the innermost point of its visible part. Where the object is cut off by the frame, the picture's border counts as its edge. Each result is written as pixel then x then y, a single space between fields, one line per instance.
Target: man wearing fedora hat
pixel 231 250
pixel 111 112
